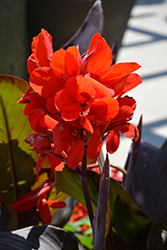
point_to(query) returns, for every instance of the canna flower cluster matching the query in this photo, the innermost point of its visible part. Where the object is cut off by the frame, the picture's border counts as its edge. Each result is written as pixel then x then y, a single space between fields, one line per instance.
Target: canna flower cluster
pixel 76 101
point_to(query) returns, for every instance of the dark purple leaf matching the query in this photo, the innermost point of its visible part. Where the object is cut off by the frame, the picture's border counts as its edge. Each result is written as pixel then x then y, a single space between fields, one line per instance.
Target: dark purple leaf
pixel 146 181
pixel 164 146
pixel 150 184
pixel 92 24
pixel 128 181
pixel 114 52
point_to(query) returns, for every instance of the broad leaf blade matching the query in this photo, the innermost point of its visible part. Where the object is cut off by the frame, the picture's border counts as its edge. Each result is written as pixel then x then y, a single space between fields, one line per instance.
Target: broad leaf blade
pixel 150 184
pixel 164 146
pixel 13 123
pixel 37 237
pixel 155 240
pixel 17 161
pixel 68 181
pixel 130 166
pixel 130 223
pixel 92 24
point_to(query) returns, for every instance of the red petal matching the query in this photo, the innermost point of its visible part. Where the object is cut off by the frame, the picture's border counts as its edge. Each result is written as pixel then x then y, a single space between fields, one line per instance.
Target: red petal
pixel 101 90
pixel 130 131
pixel 85 88
pixel 68 95
pixel 51 105
pixel 86 124
pixel 39 165
pixel 113 141
pixel 55 163
pixel 120 70
pixel 94 144
pixel 44 82
pixel 71 61
pixel 132 81
pixel 62 137
pixel 54 204
pixel 37 100
pixel 25 202
pixel 104 110
pixel 34 120
pixel 101 57
pixel 71 112
pixel 76 153
pixel 44 213
pixel 127 106
pixel 42 48
pixel 57 61
pixel 31 64
pixel 127 101
pixel 66 101
pixel 48 122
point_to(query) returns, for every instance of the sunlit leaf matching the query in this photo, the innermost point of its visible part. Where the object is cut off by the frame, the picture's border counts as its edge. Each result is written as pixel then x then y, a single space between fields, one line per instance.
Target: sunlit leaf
pixel 13 123
pixel 17 161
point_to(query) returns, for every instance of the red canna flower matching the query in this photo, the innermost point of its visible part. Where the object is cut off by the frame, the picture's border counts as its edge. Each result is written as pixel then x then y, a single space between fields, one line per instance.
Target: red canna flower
pixel 78 99
pixel 56 68
pixel 38 198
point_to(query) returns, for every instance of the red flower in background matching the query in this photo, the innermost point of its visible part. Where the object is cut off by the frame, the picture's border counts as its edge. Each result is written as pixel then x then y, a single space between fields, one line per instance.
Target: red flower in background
pixel 78 99
pixel 38 198
pixel 79 212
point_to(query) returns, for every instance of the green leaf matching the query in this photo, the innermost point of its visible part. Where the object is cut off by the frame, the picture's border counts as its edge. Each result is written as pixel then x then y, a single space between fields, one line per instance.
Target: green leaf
pixel 68 181
pixel 13 123
pixel 127 219
pixel 70 227
pixel 86 241
pixel 17 161
pixel 129 222
pixel 38 237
